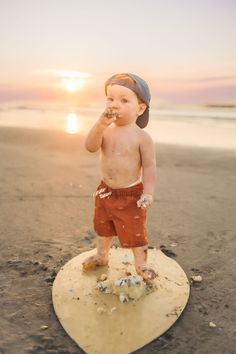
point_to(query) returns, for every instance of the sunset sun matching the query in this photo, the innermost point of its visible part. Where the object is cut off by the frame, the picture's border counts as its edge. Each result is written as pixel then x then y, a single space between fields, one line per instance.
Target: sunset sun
pixel 72 84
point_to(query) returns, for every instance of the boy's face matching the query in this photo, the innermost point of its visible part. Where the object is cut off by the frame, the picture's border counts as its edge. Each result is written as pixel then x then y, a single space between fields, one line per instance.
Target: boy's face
pixel 125 103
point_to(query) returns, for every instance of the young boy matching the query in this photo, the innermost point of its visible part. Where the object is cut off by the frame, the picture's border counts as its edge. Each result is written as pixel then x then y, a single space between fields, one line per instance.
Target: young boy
pixel 128 169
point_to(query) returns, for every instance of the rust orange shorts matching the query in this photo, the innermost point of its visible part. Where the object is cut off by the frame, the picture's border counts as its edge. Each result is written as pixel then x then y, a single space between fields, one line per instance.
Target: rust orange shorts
pixel 117 214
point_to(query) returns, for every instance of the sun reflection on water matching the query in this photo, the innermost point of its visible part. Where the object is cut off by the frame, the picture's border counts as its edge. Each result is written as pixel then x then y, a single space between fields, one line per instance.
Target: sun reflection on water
pixel 72 126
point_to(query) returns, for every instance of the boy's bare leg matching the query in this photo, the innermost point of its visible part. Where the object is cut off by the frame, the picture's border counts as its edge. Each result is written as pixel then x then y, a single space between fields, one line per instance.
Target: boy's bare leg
pixel 140 258
pixel 101 258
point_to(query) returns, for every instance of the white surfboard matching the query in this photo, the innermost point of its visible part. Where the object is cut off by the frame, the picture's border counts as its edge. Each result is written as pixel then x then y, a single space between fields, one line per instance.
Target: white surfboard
pixel 99 323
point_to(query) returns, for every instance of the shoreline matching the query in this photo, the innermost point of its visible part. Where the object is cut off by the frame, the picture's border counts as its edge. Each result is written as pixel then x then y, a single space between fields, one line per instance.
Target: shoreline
pixel 35 132
pixel 47 180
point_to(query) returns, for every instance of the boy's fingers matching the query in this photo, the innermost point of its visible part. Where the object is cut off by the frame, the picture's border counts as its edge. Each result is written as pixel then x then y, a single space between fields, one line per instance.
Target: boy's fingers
pixel 108 117
pixel 145 205
pixel 111 115
pixel 145 201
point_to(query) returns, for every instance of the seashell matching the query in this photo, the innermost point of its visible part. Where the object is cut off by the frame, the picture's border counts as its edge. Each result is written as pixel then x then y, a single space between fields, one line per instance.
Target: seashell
pixel 104 288
pixel 103 277
pixel 196 278
pixel 101 310
pixel 123 298
pixel 112 309
pixel 212 324
pixel 44 327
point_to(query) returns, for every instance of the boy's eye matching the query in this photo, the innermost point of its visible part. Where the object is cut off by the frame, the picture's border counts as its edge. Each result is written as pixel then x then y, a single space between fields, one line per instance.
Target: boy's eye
pixel 124 100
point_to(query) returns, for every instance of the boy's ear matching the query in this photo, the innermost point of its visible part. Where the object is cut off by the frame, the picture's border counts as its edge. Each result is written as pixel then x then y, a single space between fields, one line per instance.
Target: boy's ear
pixel 142 107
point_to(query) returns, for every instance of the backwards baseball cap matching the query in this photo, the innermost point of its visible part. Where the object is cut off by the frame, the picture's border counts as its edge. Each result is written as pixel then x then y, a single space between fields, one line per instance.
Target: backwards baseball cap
pixel 138 86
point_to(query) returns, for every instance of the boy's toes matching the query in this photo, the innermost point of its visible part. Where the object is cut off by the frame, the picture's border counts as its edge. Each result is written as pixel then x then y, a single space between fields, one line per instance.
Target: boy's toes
pixel 93 262
pixel 147 273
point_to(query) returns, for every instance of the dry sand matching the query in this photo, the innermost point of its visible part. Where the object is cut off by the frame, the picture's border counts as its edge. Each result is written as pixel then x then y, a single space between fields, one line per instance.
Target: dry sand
pixel 46 182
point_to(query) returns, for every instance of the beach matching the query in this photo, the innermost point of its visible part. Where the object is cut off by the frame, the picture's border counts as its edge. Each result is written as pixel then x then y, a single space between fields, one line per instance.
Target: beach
pixel 47 180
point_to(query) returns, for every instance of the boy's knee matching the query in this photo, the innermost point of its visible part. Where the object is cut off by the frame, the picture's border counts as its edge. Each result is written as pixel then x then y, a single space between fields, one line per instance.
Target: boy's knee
pixel 141 248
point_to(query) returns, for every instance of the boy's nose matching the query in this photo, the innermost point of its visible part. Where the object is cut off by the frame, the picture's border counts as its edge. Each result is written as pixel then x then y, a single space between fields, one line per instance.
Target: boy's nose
pixel 114 104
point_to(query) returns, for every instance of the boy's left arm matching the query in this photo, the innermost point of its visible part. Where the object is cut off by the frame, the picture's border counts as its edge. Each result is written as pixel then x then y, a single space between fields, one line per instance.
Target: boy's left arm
pixel 148 161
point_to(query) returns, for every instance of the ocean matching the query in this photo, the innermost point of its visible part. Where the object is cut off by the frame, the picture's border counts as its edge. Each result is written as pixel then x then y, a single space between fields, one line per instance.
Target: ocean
pixel 209 126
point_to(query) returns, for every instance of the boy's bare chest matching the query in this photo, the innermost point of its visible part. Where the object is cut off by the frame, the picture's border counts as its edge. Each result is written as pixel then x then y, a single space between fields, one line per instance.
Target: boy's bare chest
pixel 117 145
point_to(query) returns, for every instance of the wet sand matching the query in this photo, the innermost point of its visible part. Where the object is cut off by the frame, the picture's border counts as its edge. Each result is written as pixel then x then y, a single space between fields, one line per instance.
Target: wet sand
pixel 46 182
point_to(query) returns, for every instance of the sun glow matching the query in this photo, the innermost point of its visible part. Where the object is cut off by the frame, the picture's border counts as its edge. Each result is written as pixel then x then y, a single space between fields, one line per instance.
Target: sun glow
pixel 72 81
pixel 72 126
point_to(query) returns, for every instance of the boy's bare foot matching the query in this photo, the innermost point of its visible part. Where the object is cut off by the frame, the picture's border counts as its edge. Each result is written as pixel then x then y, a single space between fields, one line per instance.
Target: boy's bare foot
pixel 146 273
pixel 94 262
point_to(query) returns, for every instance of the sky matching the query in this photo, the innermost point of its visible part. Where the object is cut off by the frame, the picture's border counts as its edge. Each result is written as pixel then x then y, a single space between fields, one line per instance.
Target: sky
pixel 184 49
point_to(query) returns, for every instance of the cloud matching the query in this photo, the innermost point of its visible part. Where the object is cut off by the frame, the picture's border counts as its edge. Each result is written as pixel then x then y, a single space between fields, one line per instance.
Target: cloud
pixel 206 79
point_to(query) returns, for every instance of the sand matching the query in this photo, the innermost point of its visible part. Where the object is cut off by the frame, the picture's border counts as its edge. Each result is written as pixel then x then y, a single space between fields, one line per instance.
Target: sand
pixel 46 182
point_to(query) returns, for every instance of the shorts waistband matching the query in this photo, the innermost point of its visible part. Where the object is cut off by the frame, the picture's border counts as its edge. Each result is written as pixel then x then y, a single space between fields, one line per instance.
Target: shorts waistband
pixel 135 190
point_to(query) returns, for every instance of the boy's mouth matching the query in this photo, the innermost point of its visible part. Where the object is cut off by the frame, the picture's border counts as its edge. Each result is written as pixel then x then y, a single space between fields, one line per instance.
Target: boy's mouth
pixel 113 113
pixel 116 114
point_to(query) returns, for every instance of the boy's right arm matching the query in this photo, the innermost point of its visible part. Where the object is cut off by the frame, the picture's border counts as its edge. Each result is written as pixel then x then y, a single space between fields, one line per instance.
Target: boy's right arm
pixel 93 141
